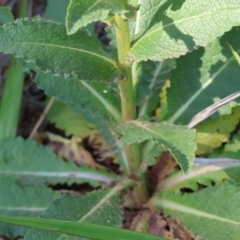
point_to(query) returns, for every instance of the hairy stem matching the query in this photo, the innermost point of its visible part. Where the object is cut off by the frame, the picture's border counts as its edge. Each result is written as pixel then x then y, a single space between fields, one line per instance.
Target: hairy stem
pixel 127 92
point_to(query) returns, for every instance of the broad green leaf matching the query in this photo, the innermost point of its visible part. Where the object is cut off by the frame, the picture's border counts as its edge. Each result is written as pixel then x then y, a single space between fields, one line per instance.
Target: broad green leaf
pixel 146 14
pixel 97 98
pixel 100 207
pixel 155 75
pixel 149 77
pixel 69 121
pixel 49 47
pixel 31 163
pixel 179 140
pixel 133 3
pixel 60 14
pixel 80 12
pixel 184 25
pixel 212 213
pixel 6 15
pixel 111 32
pixel 208 74
pixel 20 200
pixel 213 170
pixel 98 103
pixel 142 75
pixel 212 133
pixel 149 152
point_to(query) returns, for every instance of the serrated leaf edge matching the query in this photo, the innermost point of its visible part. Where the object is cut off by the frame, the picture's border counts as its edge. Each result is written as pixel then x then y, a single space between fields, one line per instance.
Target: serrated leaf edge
pixel 46 69
pixel 158 140
pixel 131 57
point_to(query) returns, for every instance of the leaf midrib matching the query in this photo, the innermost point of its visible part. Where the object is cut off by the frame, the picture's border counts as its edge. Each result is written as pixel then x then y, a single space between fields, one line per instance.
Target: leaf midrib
pixel 25 209
pixel 180 21
pixel 185 106
pixel 195 173
pixel 142 125
pixel 102 201
pixel 93 176
pixel 109 107
pixel 69 48
pixel 162 203
pixel 88 9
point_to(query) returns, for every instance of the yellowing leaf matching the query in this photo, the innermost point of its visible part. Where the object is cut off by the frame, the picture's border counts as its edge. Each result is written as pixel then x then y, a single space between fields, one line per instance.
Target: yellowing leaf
pixel 212 133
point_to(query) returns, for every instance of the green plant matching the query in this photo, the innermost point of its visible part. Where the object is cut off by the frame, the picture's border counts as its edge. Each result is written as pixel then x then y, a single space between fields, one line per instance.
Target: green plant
pixel 118 91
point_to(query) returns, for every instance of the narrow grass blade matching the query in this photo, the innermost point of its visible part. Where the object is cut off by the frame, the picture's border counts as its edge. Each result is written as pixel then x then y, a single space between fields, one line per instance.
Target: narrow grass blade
pixel 11 101
pixel 79 229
